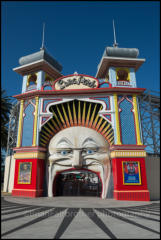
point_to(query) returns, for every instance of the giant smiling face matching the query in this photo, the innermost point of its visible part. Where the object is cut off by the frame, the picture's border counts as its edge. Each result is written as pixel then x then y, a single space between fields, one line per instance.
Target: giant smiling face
pixel 79 147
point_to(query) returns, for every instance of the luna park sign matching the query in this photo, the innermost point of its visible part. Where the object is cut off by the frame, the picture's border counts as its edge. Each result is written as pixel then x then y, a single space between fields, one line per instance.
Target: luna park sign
pixel 76 82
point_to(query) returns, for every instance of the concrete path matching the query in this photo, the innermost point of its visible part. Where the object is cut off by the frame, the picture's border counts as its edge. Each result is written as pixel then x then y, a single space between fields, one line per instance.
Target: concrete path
pixel 78 218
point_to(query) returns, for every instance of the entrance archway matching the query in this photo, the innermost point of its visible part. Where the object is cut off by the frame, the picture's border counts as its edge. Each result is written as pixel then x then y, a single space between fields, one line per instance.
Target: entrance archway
pixel 77 183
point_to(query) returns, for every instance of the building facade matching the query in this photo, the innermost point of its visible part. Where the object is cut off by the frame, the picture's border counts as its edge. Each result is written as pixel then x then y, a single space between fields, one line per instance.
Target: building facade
pixel 80 135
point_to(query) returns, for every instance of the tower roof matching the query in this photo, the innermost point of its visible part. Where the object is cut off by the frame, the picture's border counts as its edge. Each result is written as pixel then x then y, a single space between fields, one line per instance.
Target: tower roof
pixel 41 55
pixel 121 52
pixel 118 57
pixel 39 61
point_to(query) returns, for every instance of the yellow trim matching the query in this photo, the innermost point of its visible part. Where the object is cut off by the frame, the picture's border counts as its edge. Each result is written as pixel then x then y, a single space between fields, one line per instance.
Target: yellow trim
pixel 126 69
pixel 48 76
pixel 136 121
pixel 26 155
pixel 19 172
pixel 139 174
pixel 127 153
pixel 28 82
pixel 118 142
pixel 20 124
pixel 35 121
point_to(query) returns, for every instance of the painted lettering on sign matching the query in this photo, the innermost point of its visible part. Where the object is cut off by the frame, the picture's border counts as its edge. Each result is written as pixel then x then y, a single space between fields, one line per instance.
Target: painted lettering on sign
pixel 76 82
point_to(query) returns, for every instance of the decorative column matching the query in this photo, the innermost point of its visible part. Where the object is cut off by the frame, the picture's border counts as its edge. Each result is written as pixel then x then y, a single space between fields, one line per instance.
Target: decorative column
pixel 35 121
pixel 20 124
pixel 118 141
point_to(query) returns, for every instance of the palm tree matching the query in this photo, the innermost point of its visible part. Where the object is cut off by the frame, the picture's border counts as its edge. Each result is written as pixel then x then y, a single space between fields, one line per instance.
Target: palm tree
pixel 5 110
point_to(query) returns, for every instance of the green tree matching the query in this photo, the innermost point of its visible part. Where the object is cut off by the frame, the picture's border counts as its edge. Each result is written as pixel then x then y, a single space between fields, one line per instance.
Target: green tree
pixel 5 110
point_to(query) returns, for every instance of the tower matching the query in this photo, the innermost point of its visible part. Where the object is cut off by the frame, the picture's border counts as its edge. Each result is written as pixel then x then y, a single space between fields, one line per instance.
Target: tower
pixel 118 67
pixel 38 70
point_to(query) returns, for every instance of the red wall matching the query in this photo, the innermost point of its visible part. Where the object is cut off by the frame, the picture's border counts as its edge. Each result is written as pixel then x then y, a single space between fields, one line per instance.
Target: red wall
pixel 129 192
pixel 35 188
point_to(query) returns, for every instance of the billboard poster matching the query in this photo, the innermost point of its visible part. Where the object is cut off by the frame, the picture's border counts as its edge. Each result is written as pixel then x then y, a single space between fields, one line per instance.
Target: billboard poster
pixel 131 173
pixel 24 174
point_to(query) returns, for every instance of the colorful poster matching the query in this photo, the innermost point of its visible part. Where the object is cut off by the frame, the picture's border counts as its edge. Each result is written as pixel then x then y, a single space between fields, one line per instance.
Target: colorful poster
pixel 131 173
pixel 24 176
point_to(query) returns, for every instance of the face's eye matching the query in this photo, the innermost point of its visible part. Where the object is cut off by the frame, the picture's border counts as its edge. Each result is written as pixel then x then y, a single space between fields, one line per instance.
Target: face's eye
pixel 89 151
pixel 64 152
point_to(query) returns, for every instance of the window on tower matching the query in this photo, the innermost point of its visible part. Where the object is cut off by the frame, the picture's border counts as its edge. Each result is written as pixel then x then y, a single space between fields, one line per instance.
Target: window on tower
pixel 32 82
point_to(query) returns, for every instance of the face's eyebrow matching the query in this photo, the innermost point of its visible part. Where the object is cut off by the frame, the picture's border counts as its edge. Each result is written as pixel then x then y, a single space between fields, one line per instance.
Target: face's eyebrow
pixel 64 141
pixel 89 140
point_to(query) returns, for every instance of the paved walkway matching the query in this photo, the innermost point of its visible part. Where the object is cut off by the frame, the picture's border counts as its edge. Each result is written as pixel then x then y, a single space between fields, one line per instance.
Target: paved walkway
pixel 78 218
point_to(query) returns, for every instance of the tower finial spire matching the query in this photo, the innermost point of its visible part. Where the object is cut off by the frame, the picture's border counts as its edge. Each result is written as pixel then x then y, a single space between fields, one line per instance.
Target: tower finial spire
pixel 43 46
pixel 115 43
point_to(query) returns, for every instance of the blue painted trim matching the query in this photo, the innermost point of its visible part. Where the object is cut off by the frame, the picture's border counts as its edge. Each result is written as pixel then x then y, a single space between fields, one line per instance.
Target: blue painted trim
pixel 24 84
pixel 40 79
pixel 112 76
pixel 132 78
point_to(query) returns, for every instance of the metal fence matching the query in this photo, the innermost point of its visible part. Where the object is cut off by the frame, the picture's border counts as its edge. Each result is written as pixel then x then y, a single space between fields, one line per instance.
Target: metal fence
pixel 149 104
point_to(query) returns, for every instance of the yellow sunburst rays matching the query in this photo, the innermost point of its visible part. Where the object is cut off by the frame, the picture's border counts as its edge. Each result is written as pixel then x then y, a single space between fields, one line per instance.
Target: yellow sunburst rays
pixel 79 114
pixel 53 129
pixel 66 117
pixel 99 123
pixel 46 135
pixel 55 125
pixel 61 117
pixel 47 132
pixel 109 140
pixel 74 113
pixel 88 114
pixel 101 127
pixel 57 119
pixel 112 139
pixel 83 116
pixel 92 117
pixel 106 128
pixel 108 134
pixel 96 119
pixel 70 115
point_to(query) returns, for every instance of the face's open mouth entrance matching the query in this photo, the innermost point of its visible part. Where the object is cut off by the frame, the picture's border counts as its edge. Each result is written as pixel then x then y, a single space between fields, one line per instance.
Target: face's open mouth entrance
pixel 77 183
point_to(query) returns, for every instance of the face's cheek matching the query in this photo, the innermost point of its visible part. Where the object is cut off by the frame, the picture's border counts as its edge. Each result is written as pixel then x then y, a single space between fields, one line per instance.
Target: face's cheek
pixel 100 163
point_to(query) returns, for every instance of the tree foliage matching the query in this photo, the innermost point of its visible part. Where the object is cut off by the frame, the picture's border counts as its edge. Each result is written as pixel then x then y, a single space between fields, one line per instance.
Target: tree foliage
pixel 5 110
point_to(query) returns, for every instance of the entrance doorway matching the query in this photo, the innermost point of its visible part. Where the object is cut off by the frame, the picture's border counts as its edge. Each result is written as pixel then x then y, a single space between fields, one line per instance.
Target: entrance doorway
pixel 77 183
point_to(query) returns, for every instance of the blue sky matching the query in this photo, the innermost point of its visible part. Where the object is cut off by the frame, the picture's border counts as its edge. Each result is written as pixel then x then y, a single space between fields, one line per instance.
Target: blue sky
pixel 76 34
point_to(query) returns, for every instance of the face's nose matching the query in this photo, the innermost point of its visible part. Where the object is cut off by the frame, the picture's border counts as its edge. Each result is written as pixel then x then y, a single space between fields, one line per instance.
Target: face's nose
pixel 77 159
